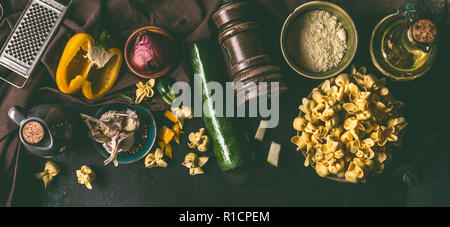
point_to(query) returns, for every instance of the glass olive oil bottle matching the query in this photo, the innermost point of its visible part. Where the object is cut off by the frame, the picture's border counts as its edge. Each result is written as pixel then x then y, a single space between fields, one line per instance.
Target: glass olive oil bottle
pixel 403 45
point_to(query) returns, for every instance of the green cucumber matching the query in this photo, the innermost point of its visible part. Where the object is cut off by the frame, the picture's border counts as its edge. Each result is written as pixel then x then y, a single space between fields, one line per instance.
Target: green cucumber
pixel 230 142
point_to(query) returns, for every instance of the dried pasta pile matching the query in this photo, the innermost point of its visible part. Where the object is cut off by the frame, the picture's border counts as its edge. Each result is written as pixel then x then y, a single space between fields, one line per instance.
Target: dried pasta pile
pixel 346 126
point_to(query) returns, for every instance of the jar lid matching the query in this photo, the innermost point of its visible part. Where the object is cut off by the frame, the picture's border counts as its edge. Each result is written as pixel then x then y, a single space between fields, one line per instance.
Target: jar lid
pixel 33 132
pixel 423 31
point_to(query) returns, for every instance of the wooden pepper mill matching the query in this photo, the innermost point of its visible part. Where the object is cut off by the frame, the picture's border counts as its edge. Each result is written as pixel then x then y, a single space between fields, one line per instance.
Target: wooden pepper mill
pixel 240 38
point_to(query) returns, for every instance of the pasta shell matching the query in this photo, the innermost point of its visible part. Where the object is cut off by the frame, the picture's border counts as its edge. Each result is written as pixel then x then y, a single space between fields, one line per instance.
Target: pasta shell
pixel 350 176
pixel 326 86
pixel 350 108
pixel 318 156
pixel 362 104
pixel 306 163
pixel 359 162
pixel 365 115
pixel 362 70
pixel 308 117
pixel 350 123
pixel 359 173
pixel 332 145
pixel 351 167
pixel 329 156
pixel 339 154
pixel 359 154
pixel 396 121
pixel 310 128
pixel 342 80
pixel 381 157
pixel 319 108
pixel 322 170
pixel 355 145
pixel 317 96
pixel 331 161
pixel 321 132
pixel 297 140
pixel 346 137
pixel 369 154
pixel 369 81
pixel 368 142
pixel 384 91
pixel 340 165
pixel 306 137
pixel 330 123
pixel 392 137
pixel 364 94
pixel 328 111
pixel 324 149
pixel 352 69
pixel 333 169
pixel 336 132
pixel 340 94
pixel 299 123
pixel 333 90
pixel 310 104
pixel 304 109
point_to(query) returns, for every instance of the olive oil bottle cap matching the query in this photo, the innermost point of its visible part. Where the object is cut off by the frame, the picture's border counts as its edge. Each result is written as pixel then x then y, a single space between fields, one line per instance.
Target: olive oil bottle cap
pixel 423 31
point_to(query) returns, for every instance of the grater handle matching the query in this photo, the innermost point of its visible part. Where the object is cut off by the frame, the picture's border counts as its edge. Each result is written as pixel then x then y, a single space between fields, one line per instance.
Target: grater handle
pixel 20 86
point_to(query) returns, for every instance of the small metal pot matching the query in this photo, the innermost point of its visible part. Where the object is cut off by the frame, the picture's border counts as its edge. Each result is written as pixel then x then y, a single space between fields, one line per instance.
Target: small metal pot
pixel 59 128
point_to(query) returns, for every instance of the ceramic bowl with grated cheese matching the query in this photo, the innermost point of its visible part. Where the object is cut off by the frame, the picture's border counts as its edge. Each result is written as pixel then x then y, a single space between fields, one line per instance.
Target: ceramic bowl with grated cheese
pixel 318 40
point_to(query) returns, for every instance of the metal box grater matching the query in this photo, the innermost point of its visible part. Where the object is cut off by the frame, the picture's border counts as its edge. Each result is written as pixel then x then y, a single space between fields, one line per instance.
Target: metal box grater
pixel 29 38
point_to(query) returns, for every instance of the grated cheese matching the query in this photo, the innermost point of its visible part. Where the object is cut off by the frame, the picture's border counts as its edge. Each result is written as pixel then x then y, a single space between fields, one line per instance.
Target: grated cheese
pixel 322 41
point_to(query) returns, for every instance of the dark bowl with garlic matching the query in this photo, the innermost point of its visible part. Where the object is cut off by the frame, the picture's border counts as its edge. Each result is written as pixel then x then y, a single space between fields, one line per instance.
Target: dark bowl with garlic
pixel 122 133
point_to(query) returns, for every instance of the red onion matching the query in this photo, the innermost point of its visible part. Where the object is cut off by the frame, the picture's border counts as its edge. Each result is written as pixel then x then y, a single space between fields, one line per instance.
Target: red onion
pixel 149 53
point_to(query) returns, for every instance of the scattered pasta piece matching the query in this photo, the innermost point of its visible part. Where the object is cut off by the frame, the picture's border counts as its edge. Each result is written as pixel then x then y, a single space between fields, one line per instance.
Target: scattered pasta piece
pixel 155 159
pixel 182 113
pixel 86 176
pixel 144 90
pixel 199 140
pixel 194 163
pixel 51 169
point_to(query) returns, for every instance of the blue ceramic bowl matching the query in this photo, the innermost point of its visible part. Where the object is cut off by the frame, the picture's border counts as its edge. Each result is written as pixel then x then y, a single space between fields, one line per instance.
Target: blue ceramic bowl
pixel 145 115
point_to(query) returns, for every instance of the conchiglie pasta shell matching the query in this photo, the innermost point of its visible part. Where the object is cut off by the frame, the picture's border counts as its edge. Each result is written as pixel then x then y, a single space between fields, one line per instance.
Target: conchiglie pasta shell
pixel 299 123
pixel 342 80
pixel 350 123
pixel 322 170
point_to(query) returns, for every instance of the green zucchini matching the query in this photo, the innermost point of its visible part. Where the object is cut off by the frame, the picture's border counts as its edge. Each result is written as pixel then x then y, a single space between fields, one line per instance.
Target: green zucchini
pixel 230 142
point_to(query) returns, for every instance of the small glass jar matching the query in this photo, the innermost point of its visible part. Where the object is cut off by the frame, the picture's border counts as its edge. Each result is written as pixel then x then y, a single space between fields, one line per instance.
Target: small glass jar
pixel 403 46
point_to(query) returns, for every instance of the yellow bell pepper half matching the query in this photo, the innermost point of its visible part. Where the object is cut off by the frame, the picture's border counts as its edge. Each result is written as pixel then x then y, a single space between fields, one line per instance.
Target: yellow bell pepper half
pixel 90 68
